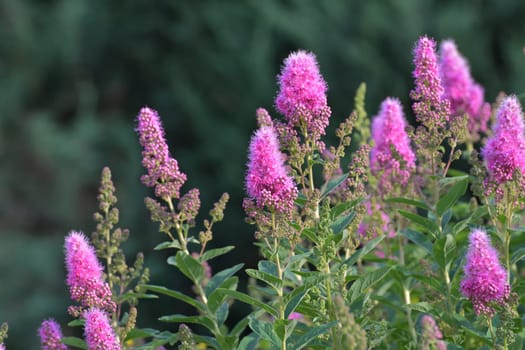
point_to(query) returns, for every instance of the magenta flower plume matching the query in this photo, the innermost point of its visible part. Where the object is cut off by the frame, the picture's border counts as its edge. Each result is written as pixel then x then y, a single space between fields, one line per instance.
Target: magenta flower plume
pixel 302 94
pixel 388 130
pixel 2 347
pixel 98 332
pixel 430 106
pixel 430 334
pixel 505 150
pixel 51 336
pixel 267 181
pixel 485 279
pixel 84 274
pixel 163 170
pixel 464 94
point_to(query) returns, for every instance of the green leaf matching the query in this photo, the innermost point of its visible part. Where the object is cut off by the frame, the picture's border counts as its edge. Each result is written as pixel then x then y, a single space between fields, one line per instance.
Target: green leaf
pixel 141 333
pixel 443 249
pixel 418 238
pixel 423 307
pixel 367 248
pixel 249 342
pixel 342 222
pixel 301 200
pixel 216 298
pixel 265 331
pixel 174 294
pixel 76 323
pixel 364 282
pixel 311 235
pixel 313 333
pixel 178 318
pixel 74 341
pixel 219 278
pixel 517 255
pixel 213 253
pixel 268 267
pixel 293 299
pixel 167 245
pixel 222 313
pixel 332 185
pixel 189 266
pixel 452 195
pixel 245 298
pixel 271 280
pixel 407 201
pixel 425 224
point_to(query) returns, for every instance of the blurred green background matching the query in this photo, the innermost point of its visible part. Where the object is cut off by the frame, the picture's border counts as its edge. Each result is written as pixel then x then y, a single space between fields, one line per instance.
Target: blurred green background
pixel 74 74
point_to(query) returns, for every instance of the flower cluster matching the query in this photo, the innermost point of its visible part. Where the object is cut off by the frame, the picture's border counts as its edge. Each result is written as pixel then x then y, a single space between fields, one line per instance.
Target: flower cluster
pixel 267 180
pixel 98 331
pixel 504 152
pixel 391 158
pixel 485 279
pixel 302 95
pixel 163 170
pixel 84 274
pixel 430 107
pixel 51 336
pixel 464 94
pixel 430 334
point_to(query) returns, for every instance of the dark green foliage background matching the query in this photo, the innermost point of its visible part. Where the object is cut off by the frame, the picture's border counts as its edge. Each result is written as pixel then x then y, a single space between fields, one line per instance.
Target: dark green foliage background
pixel 74 74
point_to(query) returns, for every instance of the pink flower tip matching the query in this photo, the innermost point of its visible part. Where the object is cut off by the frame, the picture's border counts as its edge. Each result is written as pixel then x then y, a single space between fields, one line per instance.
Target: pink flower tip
pixel 267 180
pixel 504 152
pixel 84 273
pixel 98 332
pixel 302 94
pixel 51 336
pixel 388 131
pixel 485 279
pixel 163 170
pixel 296 316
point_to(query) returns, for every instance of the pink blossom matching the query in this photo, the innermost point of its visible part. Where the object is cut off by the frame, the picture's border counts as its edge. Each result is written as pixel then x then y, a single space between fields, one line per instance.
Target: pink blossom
pixel 98 331
pixel 302 94
pixel 431 335
pixel 388 130
pixel 2 347
pixel 485 279
pixel 505 150
pixel 51 336
pixel 464 94
pixel 296 316
pixel 430 106
pixel 84 273
pixel 163 170
pixel 267 181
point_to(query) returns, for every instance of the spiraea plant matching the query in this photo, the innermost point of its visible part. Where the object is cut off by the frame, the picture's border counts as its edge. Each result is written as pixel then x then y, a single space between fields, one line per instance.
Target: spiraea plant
pixel 375 242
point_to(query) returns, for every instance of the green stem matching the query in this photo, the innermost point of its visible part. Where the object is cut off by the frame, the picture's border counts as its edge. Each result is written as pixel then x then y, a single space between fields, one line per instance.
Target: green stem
pixel 280 291
pixel 178 228
pixel 492 333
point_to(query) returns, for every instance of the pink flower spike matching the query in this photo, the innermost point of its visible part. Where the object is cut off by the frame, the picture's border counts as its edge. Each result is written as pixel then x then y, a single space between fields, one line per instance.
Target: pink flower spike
pixel 98 331
pixel 430 334
pixel 302 94
pixel 163 170
pixel 388 130
pixel 485 279
pixel 430 106
pixel 84 273
pixel 267 180
pixel 464 94
pixel 51 336
pixel 505 150
pixel 455 75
